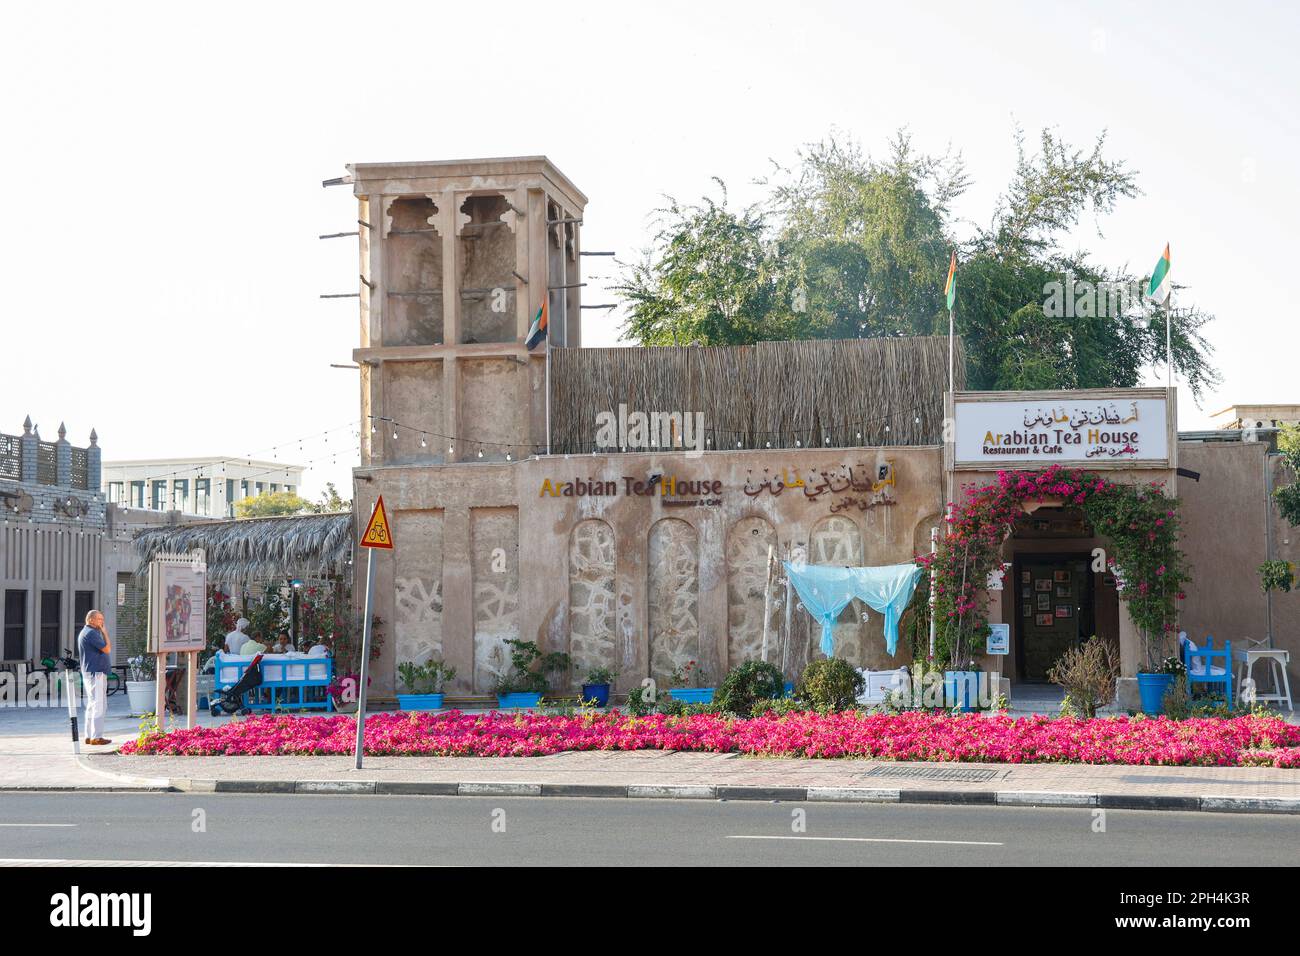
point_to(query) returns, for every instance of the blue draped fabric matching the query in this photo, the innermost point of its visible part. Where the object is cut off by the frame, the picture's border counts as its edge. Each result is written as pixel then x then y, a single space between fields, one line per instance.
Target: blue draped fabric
pixel 826 591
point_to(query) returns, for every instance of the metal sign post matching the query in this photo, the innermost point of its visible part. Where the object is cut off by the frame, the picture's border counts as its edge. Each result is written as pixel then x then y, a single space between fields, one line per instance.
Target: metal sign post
pixel 376 535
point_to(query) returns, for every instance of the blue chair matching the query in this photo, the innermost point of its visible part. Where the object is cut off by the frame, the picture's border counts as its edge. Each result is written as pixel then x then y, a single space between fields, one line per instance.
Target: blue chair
pixel 1208 665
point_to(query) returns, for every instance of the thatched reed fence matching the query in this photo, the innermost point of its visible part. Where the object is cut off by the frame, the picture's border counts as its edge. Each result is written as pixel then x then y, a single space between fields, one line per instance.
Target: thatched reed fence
pixel 257 548
pixel 835 393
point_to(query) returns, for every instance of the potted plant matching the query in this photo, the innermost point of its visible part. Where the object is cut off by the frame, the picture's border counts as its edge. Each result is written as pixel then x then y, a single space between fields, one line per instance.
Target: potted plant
pixel 1153 685
pixel 529 676
pixel 141 687
pixel 424 683
pixel 595 690
pixel 690 678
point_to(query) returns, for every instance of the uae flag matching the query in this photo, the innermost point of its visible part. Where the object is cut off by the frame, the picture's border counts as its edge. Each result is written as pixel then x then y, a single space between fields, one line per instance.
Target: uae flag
pixel 537 331
pixel 950 287
pixel 1161 285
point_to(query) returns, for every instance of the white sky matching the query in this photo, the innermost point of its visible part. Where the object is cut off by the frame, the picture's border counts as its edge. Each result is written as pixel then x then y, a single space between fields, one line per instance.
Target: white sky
pixel 164 164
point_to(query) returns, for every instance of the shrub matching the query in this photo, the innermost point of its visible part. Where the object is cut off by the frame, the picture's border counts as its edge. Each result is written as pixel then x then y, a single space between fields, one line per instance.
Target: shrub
pixel 601 675
pixel 638 705
pixel 1088 674
pixel 830 685
pixel 777 708
pixel 531 669
pixel 746 685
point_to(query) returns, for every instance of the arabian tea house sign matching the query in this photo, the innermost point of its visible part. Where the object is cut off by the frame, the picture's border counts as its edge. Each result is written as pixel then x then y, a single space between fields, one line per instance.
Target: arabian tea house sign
pixel 1092 428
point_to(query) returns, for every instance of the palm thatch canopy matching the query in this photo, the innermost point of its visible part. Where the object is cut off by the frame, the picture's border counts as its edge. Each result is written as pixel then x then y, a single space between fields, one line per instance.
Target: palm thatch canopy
pixel 279 547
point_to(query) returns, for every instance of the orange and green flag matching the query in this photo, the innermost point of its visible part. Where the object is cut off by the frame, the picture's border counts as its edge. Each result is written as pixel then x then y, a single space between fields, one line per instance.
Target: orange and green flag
pixel 1161 284
pixel 950 287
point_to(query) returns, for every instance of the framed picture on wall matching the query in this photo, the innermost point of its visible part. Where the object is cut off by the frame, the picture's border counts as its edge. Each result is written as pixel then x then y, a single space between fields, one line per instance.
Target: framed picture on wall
pixel 1061 577
pixel 1043 620
pixel 1043 584
pixel 1064 610
pixel 1027 610
pixel 1044 602
pixel 1026 577
pixel 1062 590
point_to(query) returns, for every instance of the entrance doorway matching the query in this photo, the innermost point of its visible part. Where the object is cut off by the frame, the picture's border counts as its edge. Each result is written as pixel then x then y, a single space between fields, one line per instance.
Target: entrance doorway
pixel 1054 610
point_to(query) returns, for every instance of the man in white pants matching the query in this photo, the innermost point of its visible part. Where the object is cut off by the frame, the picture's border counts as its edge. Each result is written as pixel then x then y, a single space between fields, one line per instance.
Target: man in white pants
pixel 95 650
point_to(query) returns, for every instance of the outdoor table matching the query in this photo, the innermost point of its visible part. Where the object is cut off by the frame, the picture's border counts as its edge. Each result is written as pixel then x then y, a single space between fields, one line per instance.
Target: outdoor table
pixel 1277 661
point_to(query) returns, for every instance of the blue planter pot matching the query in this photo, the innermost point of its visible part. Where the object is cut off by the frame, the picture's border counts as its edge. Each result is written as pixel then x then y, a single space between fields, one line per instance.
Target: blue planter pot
pixel 693 695
pixel 961 689
pixel 513 701
pixel 597 694
pixel 789 688
pixel 1151 688
pixel 419 701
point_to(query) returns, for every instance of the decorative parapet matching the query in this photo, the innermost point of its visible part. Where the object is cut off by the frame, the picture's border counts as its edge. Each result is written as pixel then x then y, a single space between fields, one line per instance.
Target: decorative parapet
pixel 60 464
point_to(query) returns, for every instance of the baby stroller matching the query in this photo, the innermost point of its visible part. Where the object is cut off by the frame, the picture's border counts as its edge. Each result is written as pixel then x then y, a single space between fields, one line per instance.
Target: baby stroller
pixel 231 700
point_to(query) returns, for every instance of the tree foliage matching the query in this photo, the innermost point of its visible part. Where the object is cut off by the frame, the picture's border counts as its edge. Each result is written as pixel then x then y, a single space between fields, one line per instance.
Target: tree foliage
pixel 1288 496
pixel 272 503
pixel 845 246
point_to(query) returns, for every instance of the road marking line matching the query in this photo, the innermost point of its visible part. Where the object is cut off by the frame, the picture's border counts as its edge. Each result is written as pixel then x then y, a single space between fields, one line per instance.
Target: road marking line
pixel 52 862
pixel 736 836
pixel 38 824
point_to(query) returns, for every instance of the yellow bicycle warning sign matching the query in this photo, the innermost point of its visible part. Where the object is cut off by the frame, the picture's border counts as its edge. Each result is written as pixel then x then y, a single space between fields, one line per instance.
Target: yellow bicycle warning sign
pixel 377 534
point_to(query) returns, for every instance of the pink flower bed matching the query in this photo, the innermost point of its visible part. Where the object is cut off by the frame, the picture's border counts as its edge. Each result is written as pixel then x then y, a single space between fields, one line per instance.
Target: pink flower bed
pixel 1242 741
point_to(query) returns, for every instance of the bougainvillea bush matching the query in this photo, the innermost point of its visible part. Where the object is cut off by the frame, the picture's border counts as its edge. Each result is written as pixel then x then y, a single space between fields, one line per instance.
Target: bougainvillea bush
pixel 1140 522
pixel 913 735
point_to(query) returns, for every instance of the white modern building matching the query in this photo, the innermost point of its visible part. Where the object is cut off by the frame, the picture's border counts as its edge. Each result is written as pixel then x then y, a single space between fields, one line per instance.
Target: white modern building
pixel 206 487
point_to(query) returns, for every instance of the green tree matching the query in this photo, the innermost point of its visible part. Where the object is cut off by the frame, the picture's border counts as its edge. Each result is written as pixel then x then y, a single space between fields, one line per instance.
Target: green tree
pixel 331 501
pixel 1288 496
pixel 850 247
pixel 866 242
pixel 272 503
pixel 714 279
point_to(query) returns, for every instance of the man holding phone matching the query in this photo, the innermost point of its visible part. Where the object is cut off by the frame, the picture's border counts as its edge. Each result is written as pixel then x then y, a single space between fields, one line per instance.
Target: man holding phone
pixel 95 651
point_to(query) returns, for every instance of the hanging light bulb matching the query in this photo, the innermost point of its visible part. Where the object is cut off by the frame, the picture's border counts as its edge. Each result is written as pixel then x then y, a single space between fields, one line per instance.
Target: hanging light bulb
pixel 480 453
pixel 394 433
pixel 798 443
pixel 508 458
pixel 423 443
pixel 768 444
pixel 451 449
pixel 737 444
pixel 372 428
pixel 828 439
pixel 859 436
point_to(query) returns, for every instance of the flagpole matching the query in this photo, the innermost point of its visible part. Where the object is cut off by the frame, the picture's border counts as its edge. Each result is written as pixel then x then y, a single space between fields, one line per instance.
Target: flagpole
pixel 950 349
pixel 1169 338
pixel 548 393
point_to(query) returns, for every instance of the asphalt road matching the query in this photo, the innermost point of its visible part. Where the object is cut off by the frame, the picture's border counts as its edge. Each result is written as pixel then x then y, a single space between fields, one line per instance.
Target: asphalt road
pixel 475 831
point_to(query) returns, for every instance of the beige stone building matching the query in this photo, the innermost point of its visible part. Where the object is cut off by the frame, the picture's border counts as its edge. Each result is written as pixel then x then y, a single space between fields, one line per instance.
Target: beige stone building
pixel 643 553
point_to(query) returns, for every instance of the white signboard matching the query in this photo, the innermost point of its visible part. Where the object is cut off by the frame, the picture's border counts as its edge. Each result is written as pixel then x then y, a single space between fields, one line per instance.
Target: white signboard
pixel 1088 431
pixel 177 604
pixel 999 639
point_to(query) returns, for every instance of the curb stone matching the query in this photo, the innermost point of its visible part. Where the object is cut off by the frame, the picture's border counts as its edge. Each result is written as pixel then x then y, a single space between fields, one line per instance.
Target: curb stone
pixel 1045 798
pixel 1008 798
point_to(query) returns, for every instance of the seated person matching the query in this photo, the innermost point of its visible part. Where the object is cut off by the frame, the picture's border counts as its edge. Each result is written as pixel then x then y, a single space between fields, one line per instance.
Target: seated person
pixel 282 645
pixel 319 649
pixel 252 647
